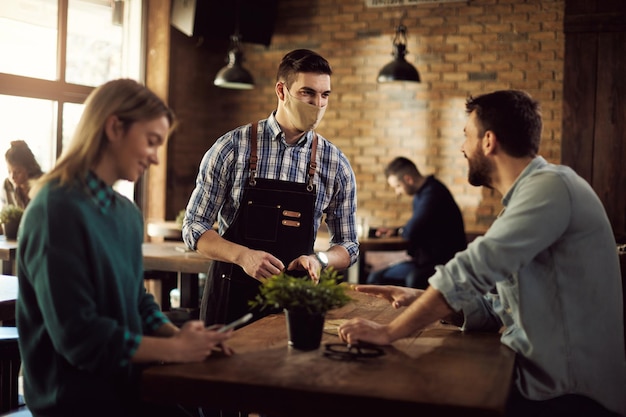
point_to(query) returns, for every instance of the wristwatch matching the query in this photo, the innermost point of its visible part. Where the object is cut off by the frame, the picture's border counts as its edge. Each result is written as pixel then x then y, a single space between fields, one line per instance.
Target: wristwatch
pixel 322 259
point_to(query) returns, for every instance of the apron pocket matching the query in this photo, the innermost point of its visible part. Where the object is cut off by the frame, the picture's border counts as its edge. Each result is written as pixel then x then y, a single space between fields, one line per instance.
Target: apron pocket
pixel 261 222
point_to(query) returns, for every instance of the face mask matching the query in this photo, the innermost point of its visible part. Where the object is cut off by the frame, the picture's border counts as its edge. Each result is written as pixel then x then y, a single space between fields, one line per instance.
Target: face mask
pixel 303 116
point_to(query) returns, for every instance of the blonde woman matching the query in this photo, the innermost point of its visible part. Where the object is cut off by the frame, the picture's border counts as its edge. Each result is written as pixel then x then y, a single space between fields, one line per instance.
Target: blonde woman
pixel 85 321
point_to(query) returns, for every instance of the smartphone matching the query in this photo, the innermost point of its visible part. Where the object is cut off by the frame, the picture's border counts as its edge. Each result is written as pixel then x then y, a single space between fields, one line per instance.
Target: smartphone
pixel 233 324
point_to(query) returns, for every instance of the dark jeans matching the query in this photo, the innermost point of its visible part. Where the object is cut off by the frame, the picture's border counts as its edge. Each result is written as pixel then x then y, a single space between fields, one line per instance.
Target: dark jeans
pixel 564 406
pixel 405 274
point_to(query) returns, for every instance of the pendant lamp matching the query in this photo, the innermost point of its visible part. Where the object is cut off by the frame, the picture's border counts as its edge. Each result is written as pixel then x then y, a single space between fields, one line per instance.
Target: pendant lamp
pixel 399 69
pixel 234 75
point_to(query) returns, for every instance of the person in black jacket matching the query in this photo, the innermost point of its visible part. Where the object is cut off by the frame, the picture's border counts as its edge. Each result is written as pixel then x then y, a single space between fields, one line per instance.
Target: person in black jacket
pixel 435 231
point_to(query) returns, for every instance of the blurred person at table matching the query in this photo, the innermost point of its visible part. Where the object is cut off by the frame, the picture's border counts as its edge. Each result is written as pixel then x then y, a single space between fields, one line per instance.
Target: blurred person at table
pixel 86 323
pixel 268 184
pixel 23 169
pixel 435 231
pixel 546 274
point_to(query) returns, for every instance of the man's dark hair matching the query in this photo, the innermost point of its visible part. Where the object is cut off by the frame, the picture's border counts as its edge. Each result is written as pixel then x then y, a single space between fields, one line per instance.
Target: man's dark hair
pixel 301 60
pixel 513 116
pixel 400 167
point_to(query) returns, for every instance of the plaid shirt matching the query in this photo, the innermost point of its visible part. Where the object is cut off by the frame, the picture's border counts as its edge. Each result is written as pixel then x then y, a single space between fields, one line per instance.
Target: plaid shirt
pixel 224 171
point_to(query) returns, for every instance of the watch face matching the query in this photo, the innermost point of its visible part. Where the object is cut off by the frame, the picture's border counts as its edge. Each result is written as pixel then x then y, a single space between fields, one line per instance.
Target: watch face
pixel 321 256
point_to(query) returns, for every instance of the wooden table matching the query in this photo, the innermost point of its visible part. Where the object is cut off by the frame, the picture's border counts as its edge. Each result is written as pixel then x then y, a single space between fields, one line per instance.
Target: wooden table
pixel 175 257
pixel 8 254
pixel 440 371
pixel 168 229
pixel 387 244
pixel 8 296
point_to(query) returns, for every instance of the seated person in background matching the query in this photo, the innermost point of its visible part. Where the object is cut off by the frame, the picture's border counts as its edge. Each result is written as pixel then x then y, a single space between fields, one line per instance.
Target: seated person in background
pixel 23 169
pixel 435 230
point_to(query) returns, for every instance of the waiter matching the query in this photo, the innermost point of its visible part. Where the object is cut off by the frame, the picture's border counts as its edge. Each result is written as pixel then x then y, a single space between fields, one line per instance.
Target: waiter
pixel 268 184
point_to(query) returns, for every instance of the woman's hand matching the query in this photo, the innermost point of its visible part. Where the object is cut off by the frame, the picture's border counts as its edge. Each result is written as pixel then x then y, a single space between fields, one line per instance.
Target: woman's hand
pixel 194 342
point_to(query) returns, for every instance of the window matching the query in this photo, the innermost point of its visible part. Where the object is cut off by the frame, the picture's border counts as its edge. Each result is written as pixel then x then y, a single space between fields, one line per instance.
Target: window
pixel 54 53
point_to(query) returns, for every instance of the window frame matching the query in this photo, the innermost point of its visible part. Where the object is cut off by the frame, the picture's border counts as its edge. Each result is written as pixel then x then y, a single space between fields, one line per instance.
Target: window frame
pixel 62 92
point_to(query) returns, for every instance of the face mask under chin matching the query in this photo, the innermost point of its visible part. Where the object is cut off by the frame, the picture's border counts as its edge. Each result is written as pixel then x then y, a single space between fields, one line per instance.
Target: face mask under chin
pixel 303 116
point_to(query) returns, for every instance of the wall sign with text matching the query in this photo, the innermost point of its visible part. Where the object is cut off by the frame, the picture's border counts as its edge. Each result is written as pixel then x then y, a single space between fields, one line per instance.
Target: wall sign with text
pixel 389 3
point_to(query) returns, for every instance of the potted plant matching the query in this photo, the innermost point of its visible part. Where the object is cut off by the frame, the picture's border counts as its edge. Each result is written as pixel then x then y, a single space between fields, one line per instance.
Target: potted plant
pixel 10 217
pixel 305 303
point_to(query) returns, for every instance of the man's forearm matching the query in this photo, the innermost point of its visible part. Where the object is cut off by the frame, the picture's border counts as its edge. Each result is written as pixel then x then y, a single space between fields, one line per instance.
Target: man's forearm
pixel 214 246
pixel 429 307
pixel 338 257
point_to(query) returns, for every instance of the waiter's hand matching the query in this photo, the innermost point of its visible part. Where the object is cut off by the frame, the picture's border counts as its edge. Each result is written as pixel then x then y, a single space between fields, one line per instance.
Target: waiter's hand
pixel 308 263
pixel 259 264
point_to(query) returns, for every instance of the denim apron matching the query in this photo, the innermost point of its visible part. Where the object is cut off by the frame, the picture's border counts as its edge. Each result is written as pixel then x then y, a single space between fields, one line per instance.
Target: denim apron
pixel 274 216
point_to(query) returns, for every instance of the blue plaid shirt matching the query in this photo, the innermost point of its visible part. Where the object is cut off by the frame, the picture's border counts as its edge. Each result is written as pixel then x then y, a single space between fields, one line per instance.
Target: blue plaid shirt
pixel 224 171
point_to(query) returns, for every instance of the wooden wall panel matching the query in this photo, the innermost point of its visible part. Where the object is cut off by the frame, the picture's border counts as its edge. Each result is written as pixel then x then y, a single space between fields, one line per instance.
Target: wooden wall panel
pixel 580 77
pixel 594 101
pixel 609 177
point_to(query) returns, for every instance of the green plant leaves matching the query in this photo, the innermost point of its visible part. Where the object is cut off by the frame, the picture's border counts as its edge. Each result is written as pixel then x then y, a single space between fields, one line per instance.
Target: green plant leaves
pixel 301 293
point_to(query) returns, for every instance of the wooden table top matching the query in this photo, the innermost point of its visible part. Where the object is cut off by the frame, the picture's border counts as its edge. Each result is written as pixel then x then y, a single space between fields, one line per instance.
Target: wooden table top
pixel 174 257
pixel 8 296
pixel 393 243
pixel 440 370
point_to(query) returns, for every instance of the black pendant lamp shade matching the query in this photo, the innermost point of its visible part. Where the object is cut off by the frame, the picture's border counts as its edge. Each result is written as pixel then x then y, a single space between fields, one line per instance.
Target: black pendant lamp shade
pixel 234 75
pixel 399 69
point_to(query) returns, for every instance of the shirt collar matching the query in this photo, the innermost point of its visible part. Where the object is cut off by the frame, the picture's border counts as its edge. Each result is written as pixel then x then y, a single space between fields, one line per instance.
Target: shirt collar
pixel 102 194
pixel 536 163
pixel 277 133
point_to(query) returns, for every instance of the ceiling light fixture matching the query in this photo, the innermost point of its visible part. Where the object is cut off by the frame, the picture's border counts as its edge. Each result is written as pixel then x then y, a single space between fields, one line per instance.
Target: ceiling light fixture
pixel 234 75
pixel 399 69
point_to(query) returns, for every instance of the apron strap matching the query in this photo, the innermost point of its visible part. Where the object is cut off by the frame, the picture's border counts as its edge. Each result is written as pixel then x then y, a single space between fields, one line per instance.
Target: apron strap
pixel 254 158
pixel 312 163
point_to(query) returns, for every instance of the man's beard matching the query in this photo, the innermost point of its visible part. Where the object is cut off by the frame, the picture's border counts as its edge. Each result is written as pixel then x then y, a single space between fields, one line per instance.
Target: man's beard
pixel 479 170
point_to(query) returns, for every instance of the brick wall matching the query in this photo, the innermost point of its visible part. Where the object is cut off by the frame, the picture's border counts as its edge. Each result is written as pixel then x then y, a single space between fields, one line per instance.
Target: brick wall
pixel 460 49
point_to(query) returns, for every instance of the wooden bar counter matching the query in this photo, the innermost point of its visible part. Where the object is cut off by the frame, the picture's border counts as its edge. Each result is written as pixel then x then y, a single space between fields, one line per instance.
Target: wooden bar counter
pixel 440 371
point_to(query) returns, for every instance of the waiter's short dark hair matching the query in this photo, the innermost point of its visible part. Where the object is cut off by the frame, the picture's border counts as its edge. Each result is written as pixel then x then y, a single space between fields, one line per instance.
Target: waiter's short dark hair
pixel 301 60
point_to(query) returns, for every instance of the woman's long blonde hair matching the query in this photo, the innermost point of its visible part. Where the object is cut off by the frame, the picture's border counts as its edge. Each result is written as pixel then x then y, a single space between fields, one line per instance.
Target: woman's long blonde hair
pixel 124 98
